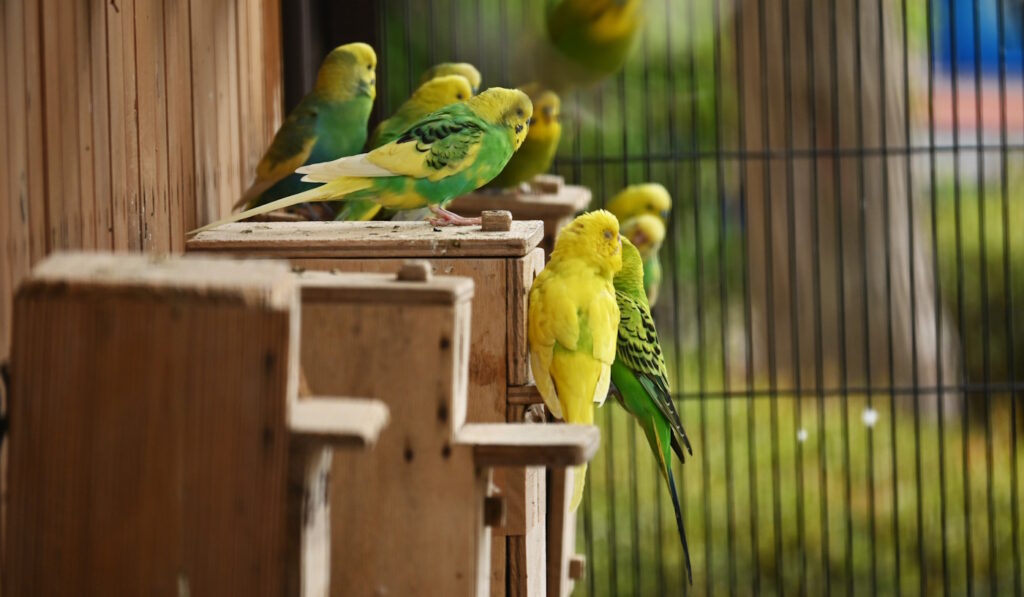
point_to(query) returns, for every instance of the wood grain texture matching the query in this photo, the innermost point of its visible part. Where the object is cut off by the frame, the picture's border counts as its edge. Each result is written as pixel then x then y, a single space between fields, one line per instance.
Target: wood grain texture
pixel 521 273
pixel 369 239
pixel 561 532
pixel 410 515
pixel 112 122
pixel 501 444
pixel 165 471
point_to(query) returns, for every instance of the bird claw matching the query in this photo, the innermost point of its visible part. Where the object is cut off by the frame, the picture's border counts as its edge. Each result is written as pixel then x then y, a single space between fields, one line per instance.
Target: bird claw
pixel 447 218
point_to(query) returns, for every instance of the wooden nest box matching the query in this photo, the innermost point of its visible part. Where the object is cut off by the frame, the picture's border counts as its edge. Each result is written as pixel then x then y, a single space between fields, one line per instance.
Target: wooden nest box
pixel 158 445
pixel 502 264
pixel 546 198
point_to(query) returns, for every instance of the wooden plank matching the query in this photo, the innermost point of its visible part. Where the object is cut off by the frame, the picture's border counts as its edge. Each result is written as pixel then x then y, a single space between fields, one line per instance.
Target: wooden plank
pixel 180 165
pixel 524 395
pixel 521 273
pixel 415 467
pixel 527 555
pixel 204 111
pixel 383 288
pixel 226 143
pixel 83 95
pixel 100 96
pixel 369 239
pixel 56 225
pixel 185 490
pixel 535 205
pixel 561 532
pixel 124 125
pixel 152 125
pixel 514 444
pixel 337 421
pixel 36 195
pixel 6 198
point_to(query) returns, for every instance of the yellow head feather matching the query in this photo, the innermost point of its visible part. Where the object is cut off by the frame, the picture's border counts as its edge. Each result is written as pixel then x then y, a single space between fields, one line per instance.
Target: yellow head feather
pixel 464 69
pixel 509 107
pixel 594 238
pixel 441 91
pixel 649 198
pixel 646 232
pixel 546 123
pixel 348 71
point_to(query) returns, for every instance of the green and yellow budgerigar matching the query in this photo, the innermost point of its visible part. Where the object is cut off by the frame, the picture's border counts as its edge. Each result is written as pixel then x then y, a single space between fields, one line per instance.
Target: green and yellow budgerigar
pixel 538 150
pixel 572 322
pixel 587 40
pixel 463 69
pixel 429 97
pixel 329 123
pixel 647 232
pixel 647 198
pixel 641 379
pixel 447 153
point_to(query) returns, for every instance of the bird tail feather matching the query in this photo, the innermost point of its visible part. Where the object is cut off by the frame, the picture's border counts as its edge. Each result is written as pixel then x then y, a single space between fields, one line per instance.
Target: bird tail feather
pixel 336 189
pixel 579 481
pixel 666 468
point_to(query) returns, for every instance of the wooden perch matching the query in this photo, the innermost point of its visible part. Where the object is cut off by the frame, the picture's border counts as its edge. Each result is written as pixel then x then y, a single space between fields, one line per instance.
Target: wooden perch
pixel 368 239
pixel 338 421
pixel 503 444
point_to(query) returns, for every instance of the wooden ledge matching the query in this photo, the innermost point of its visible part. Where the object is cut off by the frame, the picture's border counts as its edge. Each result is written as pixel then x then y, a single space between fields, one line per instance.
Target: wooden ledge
pixel 514 444
pixel 319 286
pixel 352 422
pixel 378 240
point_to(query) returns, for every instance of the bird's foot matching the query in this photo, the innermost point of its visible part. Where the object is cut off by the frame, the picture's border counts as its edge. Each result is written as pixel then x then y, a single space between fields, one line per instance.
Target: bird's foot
pixel 443 217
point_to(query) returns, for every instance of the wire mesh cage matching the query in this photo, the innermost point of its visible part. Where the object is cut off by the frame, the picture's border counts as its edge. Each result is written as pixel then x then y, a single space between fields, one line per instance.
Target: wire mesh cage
pixel 844 274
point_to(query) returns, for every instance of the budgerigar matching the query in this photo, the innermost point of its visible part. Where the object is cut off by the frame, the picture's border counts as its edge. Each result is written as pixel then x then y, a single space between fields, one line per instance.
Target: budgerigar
pixel 647 198
pixel 572 322
pixel 587 41
pixel 329 123
pixel 429 97
pixel 447 153
pixel 647 232
pixel 538 150
pixel 463 69
pixel 641 379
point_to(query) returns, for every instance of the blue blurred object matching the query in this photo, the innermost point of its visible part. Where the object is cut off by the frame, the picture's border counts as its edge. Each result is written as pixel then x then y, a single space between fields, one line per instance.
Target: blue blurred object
pixel 957 17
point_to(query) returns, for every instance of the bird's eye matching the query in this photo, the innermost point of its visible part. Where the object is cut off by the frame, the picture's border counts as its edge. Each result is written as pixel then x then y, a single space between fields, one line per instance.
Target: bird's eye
pixel 458 96
pixel 519 112
pixel 608 234
pixel 369 67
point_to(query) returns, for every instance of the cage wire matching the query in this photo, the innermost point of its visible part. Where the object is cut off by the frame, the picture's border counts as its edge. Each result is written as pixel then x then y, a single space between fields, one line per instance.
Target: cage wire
pixel 844 274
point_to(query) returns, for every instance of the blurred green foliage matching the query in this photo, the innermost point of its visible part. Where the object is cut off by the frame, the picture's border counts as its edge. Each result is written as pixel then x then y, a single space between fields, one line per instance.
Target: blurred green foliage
pixel 974 255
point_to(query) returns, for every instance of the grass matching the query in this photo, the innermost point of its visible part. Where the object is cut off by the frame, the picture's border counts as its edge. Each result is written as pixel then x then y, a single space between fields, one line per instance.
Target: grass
pixel 840 483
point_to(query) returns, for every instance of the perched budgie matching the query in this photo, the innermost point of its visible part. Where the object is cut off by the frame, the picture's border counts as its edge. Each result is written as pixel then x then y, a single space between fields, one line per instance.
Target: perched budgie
pixel 538 150
pixel 329 123
pixel 641 379
pixel 464 69
pixel 587 41
pixel 647 232
pixel 648 198
pixel 572 322
pixel 429 97
pixel 445 154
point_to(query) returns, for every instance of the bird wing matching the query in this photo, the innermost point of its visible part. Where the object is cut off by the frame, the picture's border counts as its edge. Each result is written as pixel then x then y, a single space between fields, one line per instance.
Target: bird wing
pixel 439 145
pixel 292 145
pixel 638 348
pixel 553 318
pixel 603 321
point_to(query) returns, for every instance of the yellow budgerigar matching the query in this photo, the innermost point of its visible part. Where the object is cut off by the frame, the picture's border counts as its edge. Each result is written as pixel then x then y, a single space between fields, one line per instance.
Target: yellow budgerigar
pixel 538 150
pixel 647 232
pixel 573 322
pixel 647 198
pixel 464 69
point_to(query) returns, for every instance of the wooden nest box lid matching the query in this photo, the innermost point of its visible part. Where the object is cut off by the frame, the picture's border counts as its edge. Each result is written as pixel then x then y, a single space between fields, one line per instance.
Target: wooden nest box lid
pixel 255 282
pixel 356 240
